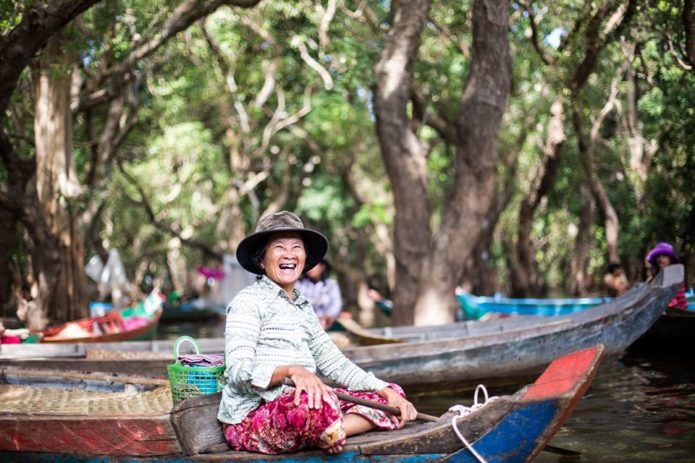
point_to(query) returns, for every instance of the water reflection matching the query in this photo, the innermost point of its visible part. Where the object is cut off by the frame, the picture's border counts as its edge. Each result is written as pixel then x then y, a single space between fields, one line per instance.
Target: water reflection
pixel 639 409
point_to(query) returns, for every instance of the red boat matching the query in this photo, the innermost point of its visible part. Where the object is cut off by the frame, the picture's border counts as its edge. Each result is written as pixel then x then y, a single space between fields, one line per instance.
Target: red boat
pixel 118 325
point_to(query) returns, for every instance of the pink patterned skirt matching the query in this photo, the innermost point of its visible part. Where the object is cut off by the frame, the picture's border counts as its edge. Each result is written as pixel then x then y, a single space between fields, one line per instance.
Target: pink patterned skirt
pixel 281 426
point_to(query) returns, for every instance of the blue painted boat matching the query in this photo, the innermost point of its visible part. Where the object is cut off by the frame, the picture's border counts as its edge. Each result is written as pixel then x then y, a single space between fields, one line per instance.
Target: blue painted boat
pixel 474 307
pixel 507 429
pixel 512 428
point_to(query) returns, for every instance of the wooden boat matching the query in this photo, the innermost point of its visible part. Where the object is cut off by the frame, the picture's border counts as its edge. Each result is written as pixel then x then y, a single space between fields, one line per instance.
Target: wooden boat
pixel 507 349
pixel 672 332
pixel 475 307
pixel 114 326
pixel 187 312
pixel 83 413
pixel 508 428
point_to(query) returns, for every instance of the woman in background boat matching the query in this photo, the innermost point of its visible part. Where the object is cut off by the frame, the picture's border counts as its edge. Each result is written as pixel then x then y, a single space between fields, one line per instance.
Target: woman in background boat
pixel 272 335
pixel 322 292
pixel 662 255
pixel 615 281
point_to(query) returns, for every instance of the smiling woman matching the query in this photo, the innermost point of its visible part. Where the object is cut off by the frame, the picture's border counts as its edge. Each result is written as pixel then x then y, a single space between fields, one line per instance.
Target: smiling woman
pixel 284 259
pixel 272 334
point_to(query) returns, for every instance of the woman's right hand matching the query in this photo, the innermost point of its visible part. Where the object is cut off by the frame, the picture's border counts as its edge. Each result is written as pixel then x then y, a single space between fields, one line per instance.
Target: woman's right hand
pixel 306 381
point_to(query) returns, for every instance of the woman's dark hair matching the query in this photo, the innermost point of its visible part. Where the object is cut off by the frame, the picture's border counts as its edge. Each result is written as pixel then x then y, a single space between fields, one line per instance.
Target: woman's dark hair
pixel 613 266
pixel 258 255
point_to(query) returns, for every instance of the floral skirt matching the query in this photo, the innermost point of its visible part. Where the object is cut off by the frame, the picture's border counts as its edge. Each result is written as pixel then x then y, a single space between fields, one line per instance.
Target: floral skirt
pixel 281 426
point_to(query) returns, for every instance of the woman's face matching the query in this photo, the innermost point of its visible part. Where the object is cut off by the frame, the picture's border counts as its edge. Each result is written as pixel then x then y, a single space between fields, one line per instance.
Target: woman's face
pixel 284 259
pixel 662 260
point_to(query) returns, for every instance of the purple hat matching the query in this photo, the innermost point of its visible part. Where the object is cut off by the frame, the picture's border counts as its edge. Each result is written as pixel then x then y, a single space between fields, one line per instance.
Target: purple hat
pixel 662 248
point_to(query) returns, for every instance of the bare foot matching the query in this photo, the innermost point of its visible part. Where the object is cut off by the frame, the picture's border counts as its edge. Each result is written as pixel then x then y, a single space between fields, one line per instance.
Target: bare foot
pixel 335 449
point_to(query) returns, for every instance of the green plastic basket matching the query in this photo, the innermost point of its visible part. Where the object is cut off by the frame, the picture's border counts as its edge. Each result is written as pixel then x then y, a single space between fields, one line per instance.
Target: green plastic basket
pixel 187 382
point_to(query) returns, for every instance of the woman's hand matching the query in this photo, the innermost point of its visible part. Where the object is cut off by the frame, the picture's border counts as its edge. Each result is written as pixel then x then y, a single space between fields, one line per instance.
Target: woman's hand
pixel 394 399
pixel 305 381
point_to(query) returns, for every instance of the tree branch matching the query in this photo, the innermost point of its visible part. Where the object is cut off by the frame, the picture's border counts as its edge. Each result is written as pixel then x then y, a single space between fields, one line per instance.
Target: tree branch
pixel 326 19
pixel 534 32
pixel 316 66
pixel 445 32
pixel 687 18
pixel 21 44
pixel 446 129
pixel 183 16
pixel 161 225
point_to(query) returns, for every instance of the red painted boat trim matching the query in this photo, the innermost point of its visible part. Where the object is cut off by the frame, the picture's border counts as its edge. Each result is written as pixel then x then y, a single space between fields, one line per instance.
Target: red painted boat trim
pixel 564 373
pixel 142 436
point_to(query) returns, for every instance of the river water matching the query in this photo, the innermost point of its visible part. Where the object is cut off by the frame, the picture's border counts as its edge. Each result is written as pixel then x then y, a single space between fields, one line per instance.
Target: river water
pixel 640 408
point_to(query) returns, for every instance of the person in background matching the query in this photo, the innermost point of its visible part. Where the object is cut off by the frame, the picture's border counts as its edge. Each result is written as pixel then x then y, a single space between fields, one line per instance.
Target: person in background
pixel 322 292
pixel 660 256
pixel 385 305
pixel 271 336
pixel 615 281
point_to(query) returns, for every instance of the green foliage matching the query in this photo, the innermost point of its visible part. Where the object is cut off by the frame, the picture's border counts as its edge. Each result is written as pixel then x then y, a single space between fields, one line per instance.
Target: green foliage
pixel 201 132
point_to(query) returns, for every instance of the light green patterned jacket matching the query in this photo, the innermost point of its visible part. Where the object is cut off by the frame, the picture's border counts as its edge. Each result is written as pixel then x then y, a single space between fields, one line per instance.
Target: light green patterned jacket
pixel 265 330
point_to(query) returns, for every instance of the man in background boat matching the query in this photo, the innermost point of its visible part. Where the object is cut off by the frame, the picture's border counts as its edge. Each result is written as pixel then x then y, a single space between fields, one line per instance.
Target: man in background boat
pixel 272 335
pixel 660 256
pixel 615 280
pixel 322 291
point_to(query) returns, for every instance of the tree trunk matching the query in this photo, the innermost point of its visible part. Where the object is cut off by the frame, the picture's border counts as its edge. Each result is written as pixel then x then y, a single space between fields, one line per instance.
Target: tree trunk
pixel 56 182
pixel 469 203
pixel 8 243
pixel 428 269
pixel 580 281
pixel 642 151
pixel 403 153
pixel 525 277
pixel 610 216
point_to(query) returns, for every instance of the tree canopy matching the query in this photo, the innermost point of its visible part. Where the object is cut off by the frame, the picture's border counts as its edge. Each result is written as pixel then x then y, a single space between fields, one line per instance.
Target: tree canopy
pixel 497 146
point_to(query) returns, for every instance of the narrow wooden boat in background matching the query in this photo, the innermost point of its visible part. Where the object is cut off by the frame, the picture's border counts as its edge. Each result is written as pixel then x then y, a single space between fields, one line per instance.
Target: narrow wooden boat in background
pixel 116 325
pixel 508 349
pixel 188 312
pixel 476 306
pixel 673 332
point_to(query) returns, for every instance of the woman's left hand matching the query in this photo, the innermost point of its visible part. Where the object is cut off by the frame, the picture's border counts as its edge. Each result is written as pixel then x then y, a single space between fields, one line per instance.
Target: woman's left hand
pixel 407 409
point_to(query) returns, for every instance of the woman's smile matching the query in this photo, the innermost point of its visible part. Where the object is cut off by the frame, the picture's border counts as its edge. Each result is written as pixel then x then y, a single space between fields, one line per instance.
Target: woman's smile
pixel 284 259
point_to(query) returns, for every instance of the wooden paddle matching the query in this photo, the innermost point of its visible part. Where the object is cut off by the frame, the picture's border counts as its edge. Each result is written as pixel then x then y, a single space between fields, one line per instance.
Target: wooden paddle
pixel 420 416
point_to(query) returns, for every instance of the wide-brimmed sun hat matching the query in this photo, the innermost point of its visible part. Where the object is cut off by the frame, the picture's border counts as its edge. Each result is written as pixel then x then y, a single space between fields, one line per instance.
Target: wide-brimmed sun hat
pixel 315 244
pixel 662 248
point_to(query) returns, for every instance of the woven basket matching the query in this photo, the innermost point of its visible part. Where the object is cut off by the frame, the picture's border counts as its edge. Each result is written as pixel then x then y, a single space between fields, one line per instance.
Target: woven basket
pixel 187 382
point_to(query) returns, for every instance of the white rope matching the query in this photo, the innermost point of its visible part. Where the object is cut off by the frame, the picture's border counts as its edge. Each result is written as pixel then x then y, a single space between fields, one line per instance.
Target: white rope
pixel 462 411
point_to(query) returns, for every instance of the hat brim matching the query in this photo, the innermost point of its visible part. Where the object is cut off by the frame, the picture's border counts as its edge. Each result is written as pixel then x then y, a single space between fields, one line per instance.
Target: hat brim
pixel 315 243
pixel 654 253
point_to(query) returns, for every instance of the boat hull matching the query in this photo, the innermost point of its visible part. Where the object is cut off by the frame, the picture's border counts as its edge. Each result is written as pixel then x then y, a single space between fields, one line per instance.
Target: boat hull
pixel 506 349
